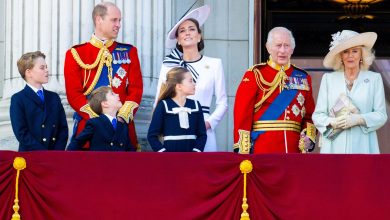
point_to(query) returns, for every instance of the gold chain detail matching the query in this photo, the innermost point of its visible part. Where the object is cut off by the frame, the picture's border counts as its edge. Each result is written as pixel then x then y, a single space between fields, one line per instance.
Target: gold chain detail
pixel 104 57
pixel 279 81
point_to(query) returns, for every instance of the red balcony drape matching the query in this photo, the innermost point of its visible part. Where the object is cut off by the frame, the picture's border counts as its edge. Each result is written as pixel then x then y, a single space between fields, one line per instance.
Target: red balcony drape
pixel 103 185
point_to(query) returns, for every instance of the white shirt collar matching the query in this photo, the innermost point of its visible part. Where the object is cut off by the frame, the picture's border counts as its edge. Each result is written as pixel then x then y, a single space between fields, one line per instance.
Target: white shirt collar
pixel 35 89
pixel 109 117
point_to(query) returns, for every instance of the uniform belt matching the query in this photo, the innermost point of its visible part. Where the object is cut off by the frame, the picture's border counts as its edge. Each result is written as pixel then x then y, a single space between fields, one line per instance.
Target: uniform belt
pixel 206 109
pixel 276 125
pixel 179 137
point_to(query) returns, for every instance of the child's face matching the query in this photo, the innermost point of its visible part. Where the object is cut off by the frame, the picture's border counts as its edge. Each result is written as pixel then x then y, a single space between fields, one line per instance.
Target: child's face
pixel 187 86
pixel 113 101
pixel 39 74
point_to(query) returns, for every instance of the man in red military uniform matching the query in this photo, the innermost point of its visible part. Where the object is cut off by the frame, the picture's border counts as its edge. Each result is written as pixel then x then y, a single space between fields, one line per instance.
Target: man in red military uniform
pixel 274 103
pixel 104 62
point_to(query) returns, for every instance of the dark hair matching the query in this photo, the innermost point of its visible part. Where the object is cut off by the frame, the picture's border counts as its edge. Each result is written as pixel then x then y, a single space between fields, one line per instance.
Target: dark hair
pixel 98 96
pixel 27 61
pixel 201 42
pixel 174 76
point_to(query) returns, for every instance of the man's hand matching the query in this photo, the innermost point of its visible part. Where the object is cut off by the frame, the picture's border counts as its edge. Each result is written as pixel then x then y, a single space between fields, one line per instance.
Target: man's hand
pixel 120 119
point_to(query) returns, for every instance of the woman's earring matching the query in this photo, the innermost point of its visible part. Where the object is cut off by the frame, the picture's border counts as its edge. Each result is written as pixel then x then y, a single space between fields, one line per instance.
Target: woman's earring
pixel 361 60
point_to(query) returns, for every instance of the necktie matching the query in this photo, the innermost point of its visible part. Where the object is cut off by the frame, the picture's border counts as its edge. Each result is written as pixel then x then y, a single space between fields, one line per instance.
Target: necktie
pixel 40 95
pixel 113 122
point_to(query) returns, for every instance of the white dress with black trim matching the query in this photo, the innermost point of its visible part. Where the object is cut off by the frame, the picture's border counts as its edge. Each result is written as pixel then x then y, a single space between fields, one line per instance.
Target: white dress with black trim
pixel 182 128
pixel 210 81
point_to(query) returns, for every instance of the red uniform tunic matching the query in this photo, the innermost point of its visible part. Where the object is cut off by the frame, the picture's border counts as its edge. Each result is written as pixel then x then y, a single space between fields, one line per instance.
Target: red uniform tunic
pixel 282 134
pixel 83 70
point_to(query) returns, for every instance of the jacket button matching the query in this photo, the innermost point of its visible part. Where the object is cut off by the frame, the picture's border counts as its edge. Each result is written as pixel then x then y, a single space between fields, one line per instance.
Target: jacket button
pixel 112 144
pixel 121 144
pixel 288 118
pixel 44 139
pixel 54 126
pixel 43 125
pixel 54 139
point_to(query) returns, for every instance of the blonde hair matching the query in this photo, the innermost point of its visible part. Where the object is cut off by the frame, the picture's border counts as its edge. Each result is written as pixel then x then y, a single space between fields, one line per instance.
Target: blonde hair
pixel 98 96
pixel 100 10
pixel 27 61
pixel 368 57
pixel 174 76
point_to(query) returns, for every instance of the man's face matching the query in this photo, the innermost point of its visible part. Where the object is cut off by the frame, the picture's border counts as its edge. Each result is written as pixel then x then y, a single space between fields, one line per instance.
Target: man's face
pixel 109 25
pixel 280 48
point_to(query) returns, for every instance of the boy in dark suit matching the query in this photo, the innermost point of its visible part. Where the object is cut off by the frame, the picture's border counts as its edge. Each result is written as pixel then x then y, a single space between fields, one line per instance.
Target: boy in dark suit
pixel 104 132
pixel 37 116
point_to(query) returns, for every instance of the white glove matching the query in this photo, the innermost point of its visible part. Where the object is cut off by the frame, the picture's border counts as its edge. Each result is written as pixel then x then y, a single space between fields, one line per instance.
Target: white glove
pixel 339 122
pixel 354 120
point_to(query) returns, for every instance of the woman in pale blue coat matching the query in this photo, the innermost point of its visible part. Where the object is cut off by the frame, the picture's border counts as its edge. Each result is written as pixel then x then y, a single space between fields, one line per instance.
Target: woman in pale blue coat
pixel 351 99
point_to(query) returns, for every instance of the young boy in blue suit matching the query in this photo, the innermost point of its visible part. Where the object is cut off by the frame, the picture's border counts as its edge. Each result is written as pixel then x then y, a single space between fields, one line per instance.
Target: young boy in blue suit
pixel 37 116
pixel 104 132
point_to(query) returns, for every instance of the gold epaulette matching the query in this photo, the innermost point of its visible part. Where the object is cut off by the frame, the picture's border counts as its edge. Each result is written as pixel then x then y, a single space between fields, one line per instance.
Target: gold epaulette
pixel 87 109
pixel 127 111
pixel 256 65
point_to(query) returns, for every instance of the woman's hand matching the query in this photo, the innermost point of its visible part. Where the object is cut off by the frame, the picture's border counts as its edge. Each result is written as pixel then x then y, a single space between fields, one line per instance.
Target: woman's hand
pixel 208 126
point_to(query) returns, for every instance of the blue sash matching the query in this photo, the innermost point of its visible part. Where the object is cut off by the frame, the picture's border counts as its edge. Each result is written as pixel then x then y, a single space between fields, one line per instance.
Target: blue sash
pixel 280 103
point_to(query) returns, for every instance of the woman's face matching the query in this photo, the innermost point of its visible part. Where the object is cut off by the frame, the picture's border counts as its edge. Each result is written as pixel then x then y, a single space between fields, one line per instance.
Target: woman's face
pixel 351 57
pixel 188 34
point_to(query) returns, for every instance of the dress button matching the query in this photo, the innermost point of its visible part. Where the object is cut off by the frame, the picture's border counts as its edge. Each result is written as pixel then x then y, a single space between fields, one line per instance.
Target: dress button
pixel 44 139
pixel 121 144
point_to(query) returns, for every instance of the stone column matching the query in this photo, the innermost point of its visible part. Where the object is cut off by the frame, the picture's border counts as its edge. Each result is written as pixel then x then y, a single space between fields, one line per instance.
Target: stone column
pixel 53 26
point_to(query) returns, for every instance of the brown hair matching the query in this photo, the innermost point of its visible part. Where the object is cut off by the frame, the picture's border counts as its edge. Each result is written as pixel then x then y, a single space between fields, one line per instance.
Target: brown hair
pixel 98 96
pixel 27 61
pixel 100 10
pixel 174 76
pixel 201 42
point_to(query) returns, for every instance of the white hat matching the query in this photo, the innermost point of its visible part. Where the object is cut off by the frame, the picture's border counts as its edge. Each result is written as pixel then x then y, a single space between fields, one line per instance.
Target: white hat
pixel 200 14
pixel 347 39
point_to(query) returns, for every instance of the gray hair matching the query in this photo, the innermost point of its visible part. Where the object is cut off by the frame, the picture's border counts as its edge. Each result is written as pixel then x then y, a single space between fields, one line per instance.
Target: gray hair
pixel 280 29
pixel 368 57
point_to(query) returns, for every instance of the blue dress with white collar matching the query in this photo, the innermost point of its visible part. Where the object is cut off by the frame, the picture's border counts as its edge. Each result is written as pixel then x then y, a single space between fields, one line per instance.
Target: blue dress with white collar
pixel 176 135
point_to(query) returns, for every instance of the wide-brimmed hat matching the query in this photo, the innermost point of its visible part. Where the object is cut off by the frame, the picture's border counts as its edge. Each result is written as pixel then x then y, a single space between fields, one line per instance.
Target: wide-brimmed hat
pixel 347 39
pixel 200 14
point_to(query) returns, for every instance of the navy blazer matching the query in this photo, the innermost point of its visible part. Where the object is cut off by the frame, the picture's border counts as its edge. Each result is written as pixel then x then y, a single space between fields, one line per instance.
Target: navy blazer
pixel 38 125
pixel 102 136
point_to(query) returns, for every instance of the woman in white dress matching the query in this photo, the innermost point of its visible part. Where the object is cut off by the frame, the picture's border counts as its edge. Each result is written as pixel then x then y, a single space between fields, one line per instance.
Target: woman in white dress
pixel 207 72
pixel 351 101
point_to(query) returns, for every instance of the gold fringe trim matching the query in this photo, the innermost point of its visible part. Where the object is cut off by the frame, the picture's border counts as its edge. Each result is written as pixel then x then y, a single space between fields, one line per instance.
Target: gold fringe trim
pixel 245 167
pixel 19 164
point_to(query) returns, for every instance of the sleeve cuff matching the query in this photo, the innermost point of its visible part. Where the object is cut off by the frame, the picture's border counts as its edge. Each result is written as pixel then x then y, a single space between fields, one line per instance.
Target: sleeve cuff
pixel 127 111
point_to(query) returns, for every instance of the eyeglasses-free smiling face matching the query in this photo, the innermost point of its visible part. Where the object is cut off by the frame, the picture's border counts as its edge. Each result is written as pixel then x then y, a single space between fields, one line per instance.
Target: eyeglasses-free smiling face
pixel 351 57
pixel 39 74
pixel 108 26
pixel 188 34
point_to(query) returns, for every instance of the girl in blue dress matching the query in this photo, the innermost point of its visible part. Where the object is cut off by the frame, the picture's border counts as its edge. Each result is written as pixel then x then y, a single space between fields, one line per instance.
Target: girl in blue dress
pixel 177 121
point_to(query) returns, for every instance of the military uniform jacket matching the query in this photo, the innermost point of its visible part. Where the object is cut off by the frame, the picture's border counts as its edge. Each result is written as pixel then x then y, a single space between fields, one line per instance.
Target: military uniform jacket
pixel 253 100
pixel 38 125
pixel 87 66
pixel 166 122
pixel 102 136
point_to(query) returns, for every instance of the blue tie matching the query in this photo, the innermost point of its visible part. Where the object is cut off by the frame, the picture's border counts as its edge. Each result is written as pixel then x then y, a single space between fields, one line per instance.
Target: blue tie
pixel 40 94
pixel 113 122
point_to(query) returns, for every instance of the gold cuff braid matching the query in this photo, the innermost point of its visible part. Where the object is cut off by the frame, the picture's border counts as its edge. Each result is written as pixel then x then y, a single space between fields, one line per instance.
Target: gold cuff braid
pixel 87 109
pixel 127 111
pixel 244 142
